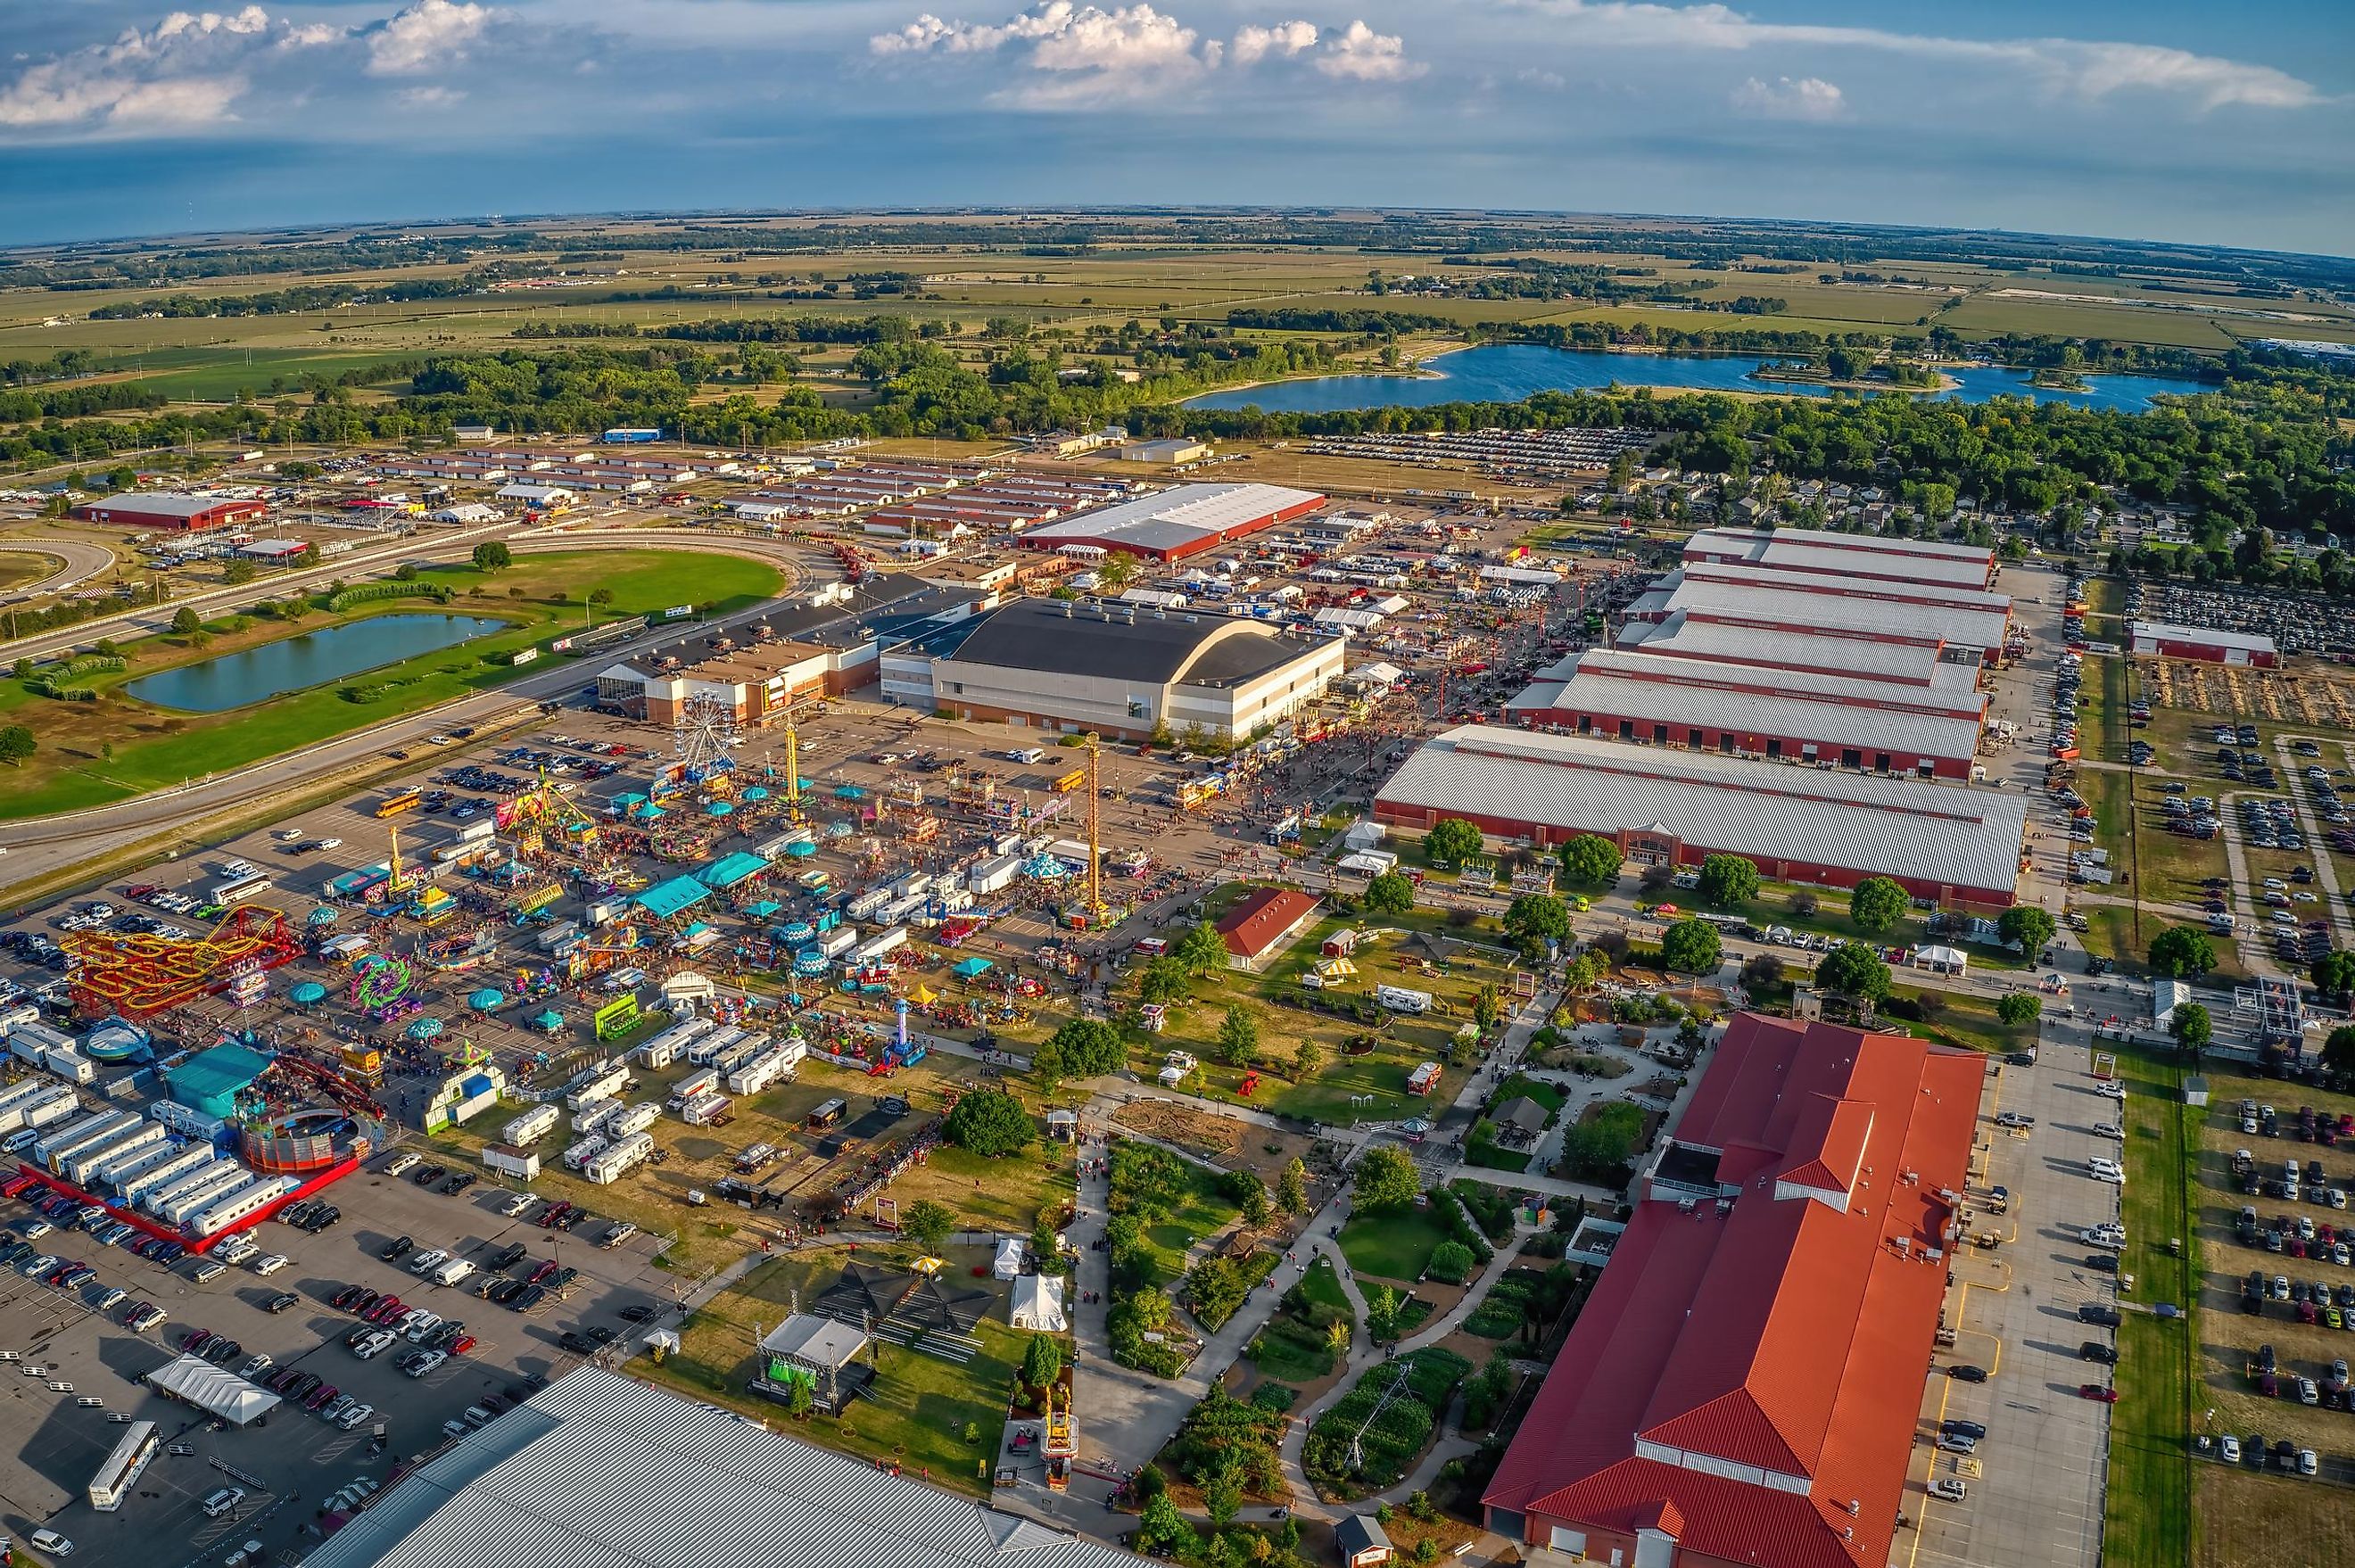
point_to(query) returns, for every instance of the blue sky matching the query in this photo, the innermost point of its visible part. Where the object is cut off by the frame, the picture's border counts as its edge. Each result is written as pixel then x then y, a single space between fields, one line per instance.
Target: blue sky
pixel 2228 124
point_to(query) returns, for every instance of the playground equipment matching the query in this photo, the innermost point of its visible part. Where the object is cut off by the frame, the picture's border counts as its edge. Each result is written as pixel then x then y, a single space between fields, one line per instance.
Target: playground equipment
pixel 141 975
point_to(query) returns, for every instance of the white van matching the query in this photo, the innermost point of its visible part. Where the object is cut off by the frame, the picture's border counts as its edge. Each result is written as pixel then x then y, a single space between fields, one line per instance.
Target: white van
pixel 453 1271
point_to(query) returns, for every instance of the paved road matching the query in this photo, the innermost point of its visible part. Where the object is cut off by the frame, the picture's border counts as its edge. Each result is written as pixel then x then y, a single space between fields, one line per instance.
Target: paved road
pixel 79 562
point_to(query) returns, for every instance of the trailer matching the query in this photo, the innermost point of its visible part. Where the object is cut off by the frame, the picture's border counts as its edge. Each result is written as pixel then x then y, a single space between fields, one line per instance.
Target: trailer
pixel 1400 999
pixel 507 1160
pixel 864 906
pixel 737 1055
pixel 700 1052
pixel 30 1040
pixel 555 936
pixel 69 1064
pixel 584 1151
pixel 124 1170
pixel 602 1086
pixel 24 1106
pixel 992 874
pixel 532 1125
pixel 49 1151
pixel 163 1174
pixel 634 1119
pixel 49 1113
pixel 611 1164
pixel 758 1074
pixel 209 1189
pixel 240 1205
pixel 704 1110
pixel 187 1122
pixel 592 1117
pixel 81 1165
pixel 693 1087
pixel 879 944
pixel 837 942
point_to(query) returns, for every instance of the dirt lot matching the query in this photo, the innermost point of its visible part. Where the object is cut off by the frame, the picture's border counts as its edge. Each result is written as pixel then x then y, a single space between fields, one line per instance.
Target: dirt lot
pixel 1229 1144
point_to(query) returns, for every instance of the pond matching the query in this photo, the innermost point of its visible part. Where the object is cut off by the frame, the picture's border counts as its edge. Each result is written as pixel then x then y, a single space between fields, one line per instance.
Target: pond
pixel 311 659
pixel 1509 372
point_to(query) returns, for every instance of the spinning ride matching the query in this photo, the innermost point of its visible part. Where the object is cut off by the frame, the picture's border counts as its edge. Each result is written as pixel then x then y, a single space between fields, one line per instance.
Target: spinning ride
pixel 380 987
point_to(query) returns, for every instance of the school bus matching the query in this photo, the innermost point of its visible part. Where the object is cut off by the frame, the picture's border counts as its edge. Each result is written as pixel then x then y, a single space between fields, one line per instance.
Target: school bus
pixel 1070 781
pixel 398 802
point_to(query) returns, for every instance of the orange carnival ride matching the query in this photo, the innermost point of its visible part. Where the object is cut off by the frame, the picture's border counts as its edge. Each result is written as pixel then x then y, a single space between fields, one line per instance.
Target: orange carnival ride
pixel 140 974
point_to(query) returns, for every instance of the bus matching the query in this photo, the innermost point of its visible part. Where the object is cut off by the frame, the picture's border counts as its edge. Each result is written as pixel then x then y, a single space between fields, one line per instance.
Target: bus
pixel 237 889
pixel 122 1471
pixel 398 802
pixel 1070 781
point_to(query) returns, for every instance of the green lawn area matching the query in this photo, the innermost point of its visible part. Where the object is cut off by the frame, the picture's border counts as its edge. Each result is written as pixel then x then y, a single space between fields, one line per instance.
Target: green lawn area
pixel 153 748
pixel 1196 1211
pixel 1293 1347
pixel 1322 1285
pixel 2148 1521
pixel 1968 1022
pixel 916 1411
pixel 1550 1095
pixel 1393 1244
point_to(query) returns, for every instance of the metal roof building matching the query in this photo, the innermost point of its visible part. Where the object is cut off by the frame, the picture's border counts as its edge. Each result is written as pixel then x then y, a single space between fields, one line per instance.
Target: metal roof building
pixel 153 509
pixel 1743 1385
pixel 1953 844
pixel 2204 642
pixel 1760 711
pixel 1829 652
pixel 1815 604
pixel 1173 524
pixel 1846 555
pixel 601 1471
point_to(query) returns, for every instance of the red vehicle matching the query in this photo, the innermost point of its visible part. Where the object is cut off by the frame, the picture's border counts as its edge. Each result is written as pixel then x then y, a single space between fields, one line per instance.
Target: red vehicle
pixel 16 1185
pixel 2101 1391
pixel 464 1343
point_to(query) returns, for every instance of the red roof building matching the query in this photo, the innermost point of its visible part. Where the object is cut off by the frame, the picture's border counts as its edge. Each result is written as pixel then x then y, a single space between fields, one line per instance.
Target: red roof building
pixel 151 509
pixel 1264 921
pixel 1743 1386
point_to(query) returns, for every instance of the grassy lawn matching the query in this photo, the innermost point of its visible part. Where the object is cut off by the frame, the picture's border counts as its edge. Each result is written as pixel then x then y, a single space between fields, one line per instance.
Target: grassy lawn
pixel 1968 1022
pixel 1393 1245
pixel 1293 1348
pixel 2148 1520
pixel 92 753
pixel 22 566
pixel 917 1409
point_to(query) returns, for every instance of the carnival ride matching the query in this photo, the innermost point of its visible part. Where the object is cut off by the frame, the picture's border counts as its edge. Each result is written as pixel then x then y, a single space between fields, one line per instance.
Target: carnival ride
pixel 139 975
pixel 306 1141
pixel 532 816
pixel 381 987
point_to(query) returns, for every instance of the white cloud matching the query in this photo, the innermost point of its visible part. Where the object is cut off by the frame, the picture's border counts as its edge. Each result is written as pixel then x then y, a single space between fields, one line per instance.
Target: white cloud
pixel 2091 71
pixel 189 69
pixel 1252 44
pixel 1360 54
pixel 424 37
pixel 1809 98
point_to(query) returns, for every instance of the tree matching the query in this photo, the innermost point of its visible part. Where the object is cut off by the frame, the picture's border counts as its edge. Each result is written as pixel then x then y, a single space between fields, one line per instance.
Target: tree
pixel 1451 841
pixel 2018 1009
pixel 801 1398
pixel 1392 893
pixel 1046 1242
pixel 1291 1187
pixel 990 1122
pixel 1307 1058
pixel 1764 972
pixel 2030 925
pixel 1591 857
pixel 1488 1006
pixel 1257 1211
pixel 1165 980
pixel 1691 948
pixel 1237 1036
pixel 1600 1147
pixel 1854 970
pixel 16 743
pixel 1727 880
pixel 600 597
pixel 1381 1314
pixel 2334 976
pixel 1042 1361
pixel 1878 903
pixel 1222 1493
pixel 929 1225
pixel 1162 1531
pixel 184 620
pixel 1202 949
pixel 2179 952
pixel 238 573
pixel 2191 1026
pixel 1116 572
pixel 1534 919
pixel 1386 1179
pixel 1089 1048
pixel 493 556
pixel 2339 1052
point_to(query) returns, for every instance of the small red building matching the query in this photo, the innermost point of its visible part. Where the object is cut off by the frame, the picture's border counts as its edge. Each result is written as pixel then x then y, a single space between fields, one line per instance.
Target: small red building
pixel 190 514
pixel 2205 644
pixel 1264 921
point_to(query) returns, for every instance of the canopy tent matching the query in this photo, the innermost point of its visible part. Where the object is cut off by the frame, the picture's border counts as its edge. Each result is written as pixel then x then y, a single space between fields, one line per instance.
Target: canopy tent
pixel 757 792
pixel 486 1000
pixel 1038 1303
pixel 626 800
pixel 548 1019
pixel 308 994
pixel 1010 1258
pixel 732 870
pixel 426 1028
pixel 923 996
pixel 323 915
pixel 664 899
pixel 214 1390
pixel 801 848
pixel 972 968
pixel 927 1265
pixel 719 809
pixel 848 791
pixel 764 909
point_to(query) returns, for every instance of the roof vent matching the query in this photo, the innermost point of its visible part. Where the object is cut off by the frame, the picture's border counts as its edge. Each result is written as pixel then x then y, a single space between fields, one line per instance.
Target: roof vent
pixel 1855 1508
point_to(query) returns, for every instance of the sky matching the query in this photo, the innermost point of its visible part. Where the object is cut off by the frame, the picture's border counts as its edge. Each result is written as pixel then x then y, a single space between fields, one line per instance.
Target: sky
pixel 2231 124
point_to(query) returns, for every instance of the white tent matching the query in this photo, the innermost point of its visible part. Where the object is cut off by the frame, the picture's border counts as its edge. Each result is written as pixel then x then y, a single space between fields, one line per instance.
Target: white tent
pixel 1038 1303
pixel 1010 1257
pixel 213 1390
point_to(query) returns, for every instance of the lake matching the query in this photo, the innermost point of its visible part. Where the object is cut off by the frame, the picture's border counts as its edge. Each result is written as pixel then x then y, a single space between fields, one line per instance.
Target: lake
pixel 1509 372
pixel 311 659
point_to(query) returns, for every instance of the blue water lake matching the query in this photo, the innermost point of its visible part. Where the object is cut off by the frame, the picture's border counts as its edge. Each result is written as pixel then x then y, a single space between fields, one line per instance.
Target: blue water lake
pixel 1507 372
pixel 300 663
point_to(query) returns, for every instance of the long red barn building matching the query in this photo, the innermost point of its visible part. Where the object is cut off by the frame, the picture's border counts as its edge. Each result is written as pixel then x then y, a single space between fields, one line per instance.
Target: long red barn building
pixel 193 514
pixel 1742 1389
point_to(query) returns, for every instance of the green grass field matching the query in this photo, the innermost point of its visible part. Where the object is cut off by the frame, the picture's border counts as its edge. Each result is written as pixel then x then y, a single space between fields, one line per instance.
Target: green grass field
pixel 2147 1523
pixel 1394 1247
pixel 92 753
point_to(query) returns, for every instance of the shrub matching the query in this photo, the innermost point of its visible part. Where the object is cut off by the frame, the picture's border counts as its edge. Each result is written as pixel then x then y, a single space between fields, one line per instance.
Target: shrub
pixel 1451 1263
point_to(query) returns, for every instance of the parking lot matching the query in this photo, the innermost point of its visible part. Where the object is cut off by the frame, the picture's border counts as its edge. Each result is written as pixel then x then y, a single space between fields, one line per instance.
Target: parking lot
pixel 2037 1496
pixel 289 1461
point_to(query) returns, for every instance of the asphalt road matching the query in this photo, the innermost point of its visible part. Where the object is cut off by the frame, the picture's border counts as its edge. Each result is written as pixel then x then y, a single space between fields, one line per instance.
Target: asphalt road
pixel 82 561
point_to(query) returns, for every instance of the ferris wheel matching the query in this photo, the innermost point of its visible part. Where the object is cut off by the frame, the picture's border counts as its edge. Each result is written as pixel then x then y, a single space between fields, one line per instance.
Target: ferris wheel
pixel 703 737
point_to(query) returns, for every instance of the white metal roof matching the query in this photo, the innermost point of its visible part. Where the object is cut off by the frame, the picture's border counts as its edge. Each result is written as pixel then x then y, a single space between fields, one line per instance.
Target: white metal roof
pixel 2163 631
pixel 1171 518
pixel 1774 810
pixel 1812 684
pixel 1720 599
pixel 1842 583
pixel 1871 658
pixel 1828 720
pixel 213 1389
pixel 817 1341
pixel 1816 549
pixel 601 1471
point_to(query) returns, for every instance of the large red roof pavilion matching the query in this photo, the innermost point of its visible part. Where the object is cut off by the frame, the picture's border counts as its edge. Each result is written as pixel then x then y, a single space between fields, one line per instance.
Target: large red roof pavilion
pixel 1744 1384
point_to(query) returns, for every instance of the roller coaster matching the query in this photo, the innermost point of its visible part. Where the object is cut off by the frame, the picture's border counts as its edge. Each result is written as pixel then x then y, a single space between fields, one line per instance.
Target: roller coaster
pixel 142 973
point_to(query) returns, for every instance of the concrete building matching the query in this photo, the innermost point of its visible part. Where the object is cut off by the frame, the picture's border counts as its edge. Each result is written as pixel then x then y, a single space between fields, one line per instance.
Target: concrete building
pixel 1121 670
pixel 1957 846
pixel 1165 449
pixel 2158 639
pixel 154 509
pixel 1751 710
pixel 1173 524
pixel 1744 1386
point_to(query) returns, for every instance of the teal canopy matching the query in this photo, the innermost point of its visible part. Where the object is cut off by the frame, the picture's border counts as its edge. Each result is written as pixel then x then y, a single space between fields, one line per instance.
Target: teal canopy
pixel 801 848
pixel 549 1020
pixel 486 1000
pixel 719 809
pixel 426 1028
pixel 757 792
pixel 731 870
pixel 307 993
pixel 973 969
pixel 676 896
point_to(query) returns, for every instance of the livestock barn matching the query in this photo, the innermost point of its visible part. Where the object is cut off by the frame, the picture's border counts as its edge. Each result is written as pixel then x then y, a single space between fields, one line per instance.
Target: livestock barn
pixel 2155 637
pixel 188 514
pixel 1173 524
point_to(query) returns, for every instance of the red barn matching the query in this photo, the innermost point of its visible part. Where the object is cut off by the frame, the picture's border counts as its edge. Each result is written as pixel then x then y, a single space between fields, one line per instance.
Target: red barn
pixel 1262 922
pixel 191 514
